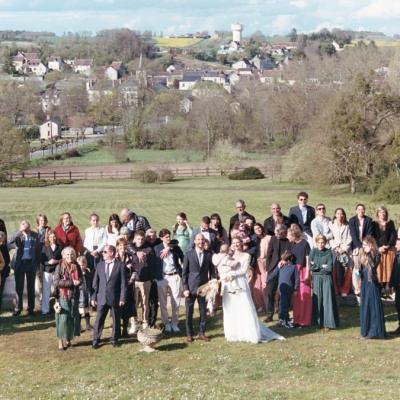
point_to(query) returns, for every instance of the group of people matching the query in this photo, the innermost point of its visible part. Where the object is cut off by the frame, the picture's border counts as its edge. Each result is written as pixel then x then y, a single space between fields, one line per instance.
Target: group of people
pixel 301 261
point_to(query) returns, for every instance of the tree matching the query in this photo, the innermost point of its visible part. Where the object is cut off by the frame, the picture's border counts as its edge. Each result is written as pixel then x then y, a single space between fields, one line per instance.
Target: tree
pixel 293 35
pixel 14 150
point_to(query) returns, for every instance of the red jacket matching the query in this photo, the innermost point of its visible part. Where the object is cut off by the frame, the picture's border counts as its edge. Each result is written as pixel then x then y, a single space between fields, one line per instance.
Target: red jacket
pixel 71 237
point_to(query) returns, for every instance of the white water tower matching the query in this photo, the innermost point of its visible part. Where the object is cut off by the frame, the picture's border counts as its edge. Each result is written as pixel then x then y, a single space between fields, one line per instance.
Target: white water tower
pixel 237 32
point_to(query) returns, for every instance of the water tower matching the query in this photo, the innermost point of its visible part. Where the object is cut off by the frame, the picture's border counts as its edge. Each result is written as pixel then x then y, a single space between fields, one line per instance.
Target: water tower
pixel 237 32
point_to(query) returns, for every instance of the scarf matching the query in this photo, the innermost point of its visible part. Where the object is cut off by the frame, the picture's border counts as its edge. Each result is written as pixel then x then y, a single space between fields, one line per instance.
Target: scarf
pixel 69 272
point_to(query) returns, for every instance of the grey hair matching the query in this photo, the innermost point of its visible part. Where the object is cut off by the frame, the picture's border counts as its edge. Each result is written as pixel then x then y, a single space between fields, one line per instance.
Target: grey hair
pixel 69 249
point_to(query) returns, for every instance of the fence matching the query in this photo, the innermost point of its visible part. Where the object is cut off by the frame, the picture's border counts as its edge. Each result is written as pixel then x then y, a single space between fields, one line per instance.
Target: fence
pixel 268 171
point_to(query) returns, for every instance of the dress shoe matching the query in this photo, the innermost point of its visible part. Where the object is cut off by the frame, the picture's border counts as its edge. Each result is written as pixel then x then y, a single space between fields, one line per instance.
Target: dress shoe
pixel 204 337
pixel 189 339
pixel 95 346
pixel 175 328
pixel 16 313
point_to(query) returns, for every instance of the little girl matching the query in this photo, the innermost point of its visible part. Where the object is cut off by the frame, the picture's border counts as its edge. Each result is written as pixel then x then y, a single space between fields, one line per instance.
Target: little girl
pixel 224 263
pixel 85 291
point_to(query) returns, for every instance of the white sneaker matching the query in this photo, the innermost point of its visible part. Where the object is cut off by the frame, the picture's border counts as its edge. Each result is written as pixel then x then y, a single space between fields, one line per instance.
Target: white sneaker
pixel 144 325
pixel 133 329
pixel 168 327
pixel 175 328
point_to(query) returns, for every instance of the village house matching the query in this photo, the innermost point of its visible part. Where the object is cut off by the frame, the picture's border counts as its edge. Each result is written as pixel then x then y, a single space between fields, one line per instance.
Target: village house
pixel 55 63
pixel 114 71
pixel 50 99
pixel 51 129
pixel 83 66
pixel 98 88
pixel 129 92
pixel 185 105
pixel 28 63
pixel 189 80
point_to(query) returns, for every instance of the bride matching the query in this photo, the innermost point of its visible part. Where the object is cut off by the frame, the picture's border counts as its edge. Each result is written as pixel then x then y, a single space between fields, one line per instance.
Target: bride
pixel 240 317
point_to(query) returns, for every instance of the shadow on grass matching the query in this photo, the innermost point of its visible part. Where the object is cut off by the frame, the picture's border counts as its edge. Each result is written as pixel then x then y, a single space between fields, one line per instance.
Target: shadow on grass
pixel 171 346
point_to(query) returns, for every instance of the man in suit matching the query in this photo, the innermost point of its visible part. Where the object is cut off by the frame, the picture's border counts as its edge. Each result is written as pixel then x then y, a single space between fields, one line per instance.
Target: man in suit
pixel 241 214
pixel 278 244
pixel 109 288
pixel 26 264
pixel 207 232
pixel 276 218
pixel 197 270
pixel 360 226
pixel 168 272
pixel 302 215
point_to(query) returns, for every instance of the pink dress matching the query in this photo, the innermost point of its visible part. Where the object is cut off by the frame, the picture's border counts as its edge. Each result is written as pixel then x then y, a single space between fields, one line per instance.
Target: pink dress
pixel 258 292
pixel 302 300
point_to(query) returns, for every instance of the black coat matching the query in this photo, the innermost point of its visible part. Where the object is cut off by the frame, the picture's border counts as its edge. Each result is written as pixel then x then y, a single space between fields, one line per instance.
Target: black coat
pixel 269 224
pixel 177 256
pixel 235 218
pixel 368 229
pixel 296 217
pixel 194 274
pixel 113 291
pixel 387 237
pixel 276 247
pixel 47 255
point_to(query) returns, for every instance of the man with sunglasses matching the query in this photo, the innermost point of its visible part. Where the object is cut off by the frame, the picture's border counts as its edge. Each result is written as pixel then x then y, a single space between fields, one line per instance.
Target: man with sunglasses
pixel 302 215
pixel 320 224
pixel 109 289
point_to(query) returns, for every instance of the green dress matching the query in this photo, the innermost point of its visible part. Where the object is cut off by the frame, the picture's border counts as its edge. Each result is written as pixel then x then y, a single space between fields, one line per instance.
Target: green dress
pixel 68 324
pixel 183 235
pixel 325 313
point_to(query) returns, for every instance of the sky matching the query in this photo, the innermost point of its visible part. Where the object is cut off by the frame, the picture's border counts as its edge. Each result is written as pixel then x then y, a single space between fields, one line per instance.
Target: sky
pixel 183 16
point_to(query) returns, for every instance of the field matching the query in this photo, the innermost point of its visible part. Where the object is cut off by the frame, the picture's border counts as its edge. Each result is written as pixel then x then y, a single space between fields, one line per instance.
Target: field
pixel 309 365
pixel 176 42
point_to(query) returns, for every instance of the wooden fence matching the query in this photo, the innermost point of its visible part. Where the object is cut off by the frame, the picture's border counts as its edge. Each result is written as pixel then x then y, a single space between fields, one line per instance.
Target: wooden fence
pixel 268 171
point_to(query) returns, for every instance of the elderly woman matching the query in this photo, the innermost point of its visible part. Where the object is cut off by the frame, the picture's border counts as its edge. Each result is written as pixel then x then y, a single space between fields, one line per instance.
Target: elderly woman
pixel 385 235
pixel 67 279
pixel 341 246
pixel 51 257
pixel 325 313
pixel 68 234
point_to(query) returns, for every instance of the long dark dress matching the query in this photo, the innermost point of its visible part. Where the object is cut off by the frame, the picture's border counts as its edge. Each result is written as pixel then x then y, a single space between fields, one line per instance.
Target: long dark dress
pixel 325 313
pixel 372 320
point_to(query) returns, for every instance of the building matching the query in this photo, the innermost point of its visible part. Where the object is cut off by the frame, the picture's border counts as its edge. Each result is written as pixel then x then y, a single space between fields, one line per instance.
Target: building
pixel 129 92
pixel 55 63
pixel 51 129
pixel 50 99
pixel 96 89
pixel 189 80
pixel 28 63
pixel 83 66
pixel 114 71
pixel 237 32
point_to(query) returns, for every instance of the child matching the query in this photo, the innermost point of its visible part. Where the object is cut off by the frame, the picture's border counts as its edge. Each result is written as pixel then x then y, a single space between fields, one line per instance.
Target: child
pixel 288 284
pixel 224 264
pixel 395 282
pixel 84 295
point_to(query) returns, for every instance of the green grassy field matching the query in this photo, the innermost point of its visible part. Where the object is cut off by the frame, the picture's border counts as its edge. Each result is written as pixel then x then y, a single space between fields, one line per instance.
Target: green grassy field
pixel 309 365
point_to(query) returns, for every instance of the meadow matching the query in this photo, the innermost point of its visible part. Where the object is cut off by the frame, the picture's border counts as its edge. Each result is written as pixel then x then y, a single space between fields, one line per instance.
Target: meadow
pixel 308 365
pixel 176 42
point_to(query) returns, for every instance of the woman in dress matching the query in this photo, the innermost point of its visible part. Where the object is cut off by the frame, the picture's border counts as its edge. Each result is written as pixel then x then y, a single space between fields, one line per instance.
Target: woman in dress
pixel 68 234
pixel 113 229
pixel 240 317
pixel 385 235
pixel 221 235
pixel 302 299
pixel 372 320
pixel 94 242
pixel 67 279
pixel 182 232
pixel 51 257
pixel 259 279
pixel 341 246
pixel 325 313
pixel 128 310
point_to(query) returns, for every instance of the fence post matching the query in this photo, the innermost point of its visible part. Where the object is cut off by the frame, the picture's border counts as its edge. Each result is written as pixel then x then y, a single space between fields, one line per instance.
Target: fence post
pixel 23 174
pixel 70 175
pixel 55 175
pixel 192 172
pixel 11 176
pixel 38 174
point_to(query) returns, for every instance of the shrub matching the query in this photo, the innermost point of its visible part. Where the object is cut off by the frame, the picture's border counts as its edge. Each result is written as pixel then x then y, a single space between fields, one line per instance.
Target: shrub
pixel 389 190
pixel 72 153
pixel 247 173
pixel 147 176
pixel 166 175
pixel 33 182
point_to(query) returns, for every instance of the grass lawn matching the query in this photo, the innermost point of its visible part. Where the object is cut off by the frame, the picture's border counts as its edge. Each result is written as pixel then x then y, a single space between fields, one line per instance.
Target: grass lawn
pixel 309 365
pixel 176 42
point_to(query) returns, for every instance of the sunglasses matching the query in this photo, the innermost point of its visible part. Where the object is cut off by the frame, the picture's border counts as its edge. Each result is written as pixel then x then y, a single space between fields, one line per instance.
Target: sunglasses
pixel 320 208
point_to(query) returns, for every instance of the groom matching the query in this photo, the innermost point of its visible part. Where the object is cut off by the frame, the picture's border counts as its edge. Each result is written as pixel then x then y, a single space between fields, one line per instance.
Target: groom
pixel 197 270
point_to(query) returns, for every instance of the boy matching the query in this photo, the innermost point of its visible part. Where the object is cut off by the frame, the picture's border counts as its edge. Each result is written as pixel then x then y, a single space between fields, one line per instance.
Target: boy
pixel 288 283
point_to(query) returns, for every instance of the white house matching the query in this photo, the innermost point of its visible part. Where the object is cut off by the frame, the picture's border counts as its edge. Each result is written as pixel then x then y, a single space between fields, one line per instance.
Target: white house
pixel 241 64
pixel 50 98
pixel 215 77
pixel 51 129
pixel 114 71
pixel 189 81
pixel 36 67
pixel 97 89
pixel 28 63
pixel 186 105
pixel 55 63
pixel 83 66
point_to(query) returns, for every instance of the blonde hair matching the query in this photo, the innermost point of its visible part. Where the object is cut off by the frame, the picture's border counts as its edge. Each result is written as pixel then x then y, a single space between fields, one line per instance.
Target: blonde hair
pixel 82 261
pixel 320 237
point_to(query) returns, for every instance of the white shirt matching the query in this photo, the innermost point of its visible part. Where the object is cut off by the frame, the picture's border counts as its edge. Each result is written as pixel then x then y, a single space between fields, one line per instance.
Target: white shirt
pixel 95 237
pixel 168 264
pixel 303 213
pixel 200 256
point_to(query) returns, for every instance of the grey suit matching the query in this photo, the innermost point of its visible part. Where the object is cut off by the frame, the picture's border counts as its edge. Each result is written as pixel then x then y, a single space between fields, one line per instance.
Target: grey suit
pixel 193 276
pixel 109 293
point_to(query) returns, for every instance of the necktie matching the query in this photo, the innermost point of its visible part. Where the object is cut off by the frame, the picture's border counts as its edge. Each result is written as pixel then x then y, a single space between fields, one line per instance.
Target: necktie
pixel 108 271
pixel 200 258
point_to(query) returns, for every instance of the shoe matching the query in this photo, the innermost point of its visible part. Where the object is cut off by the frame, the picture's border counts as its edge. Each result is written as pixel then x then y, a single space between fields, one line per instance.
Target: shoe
pixel 125 334
pixel 203 337
pixel 115 344
pixel 133 329
pixel 269 318
pixel 175 328
pixel 167 327
pixel 16 313
pixel 145 325
pixel 31 313
pixel 189 339
pixel 95 346
pixel 396 331
pixel 282 323
pixel 288 324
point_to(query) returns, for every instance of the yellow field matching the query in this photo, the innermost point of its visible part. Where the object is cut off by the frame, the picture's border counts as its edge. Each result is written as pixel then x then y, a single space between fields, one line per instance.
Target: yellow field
pixel 379 43
pixel 176 42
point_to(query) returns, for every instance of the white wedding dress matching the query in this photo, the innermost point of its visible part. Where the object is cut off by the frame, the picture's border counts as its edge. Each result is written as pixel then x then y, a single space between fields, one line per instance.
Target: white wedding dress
pixel 241 323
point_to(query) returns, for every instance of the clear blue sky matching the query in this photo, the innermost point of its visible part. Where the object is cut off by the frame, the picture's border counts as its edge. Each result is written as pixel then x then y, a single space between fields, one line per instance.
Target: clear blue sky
pixel 173 16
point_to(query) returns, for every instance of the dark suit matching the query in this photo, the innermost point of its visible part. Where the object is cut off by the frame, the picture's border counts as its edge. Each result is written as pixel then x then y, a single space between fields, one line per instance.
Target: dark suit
pixel 193 276
pixel 269 224
pixel 276 248
pixel 108 294
pixel 296 217
pixel 242 218
pixel 26 264
pixel 368 228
